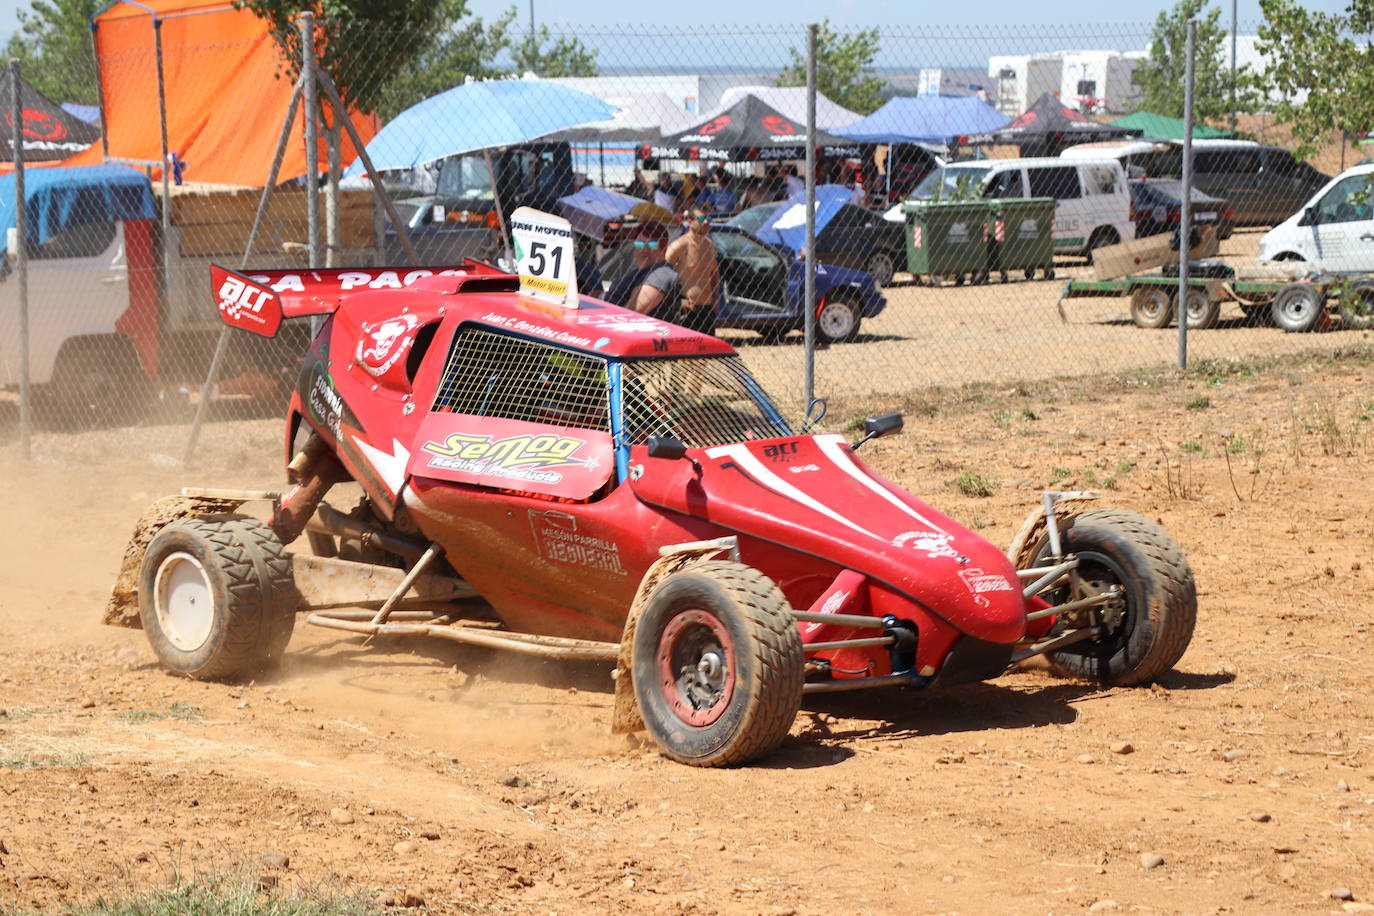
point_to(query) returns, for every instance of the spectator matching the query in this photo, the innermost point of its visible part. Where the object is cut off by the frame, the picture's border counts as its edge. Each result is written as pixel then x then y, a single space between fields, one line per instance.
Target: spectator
pixel 664 196
pixel 755 193
pixel 693 256
pixel 639 186
pixel 719 196
pixel 589 279
pixel 794 184
pixel 653 287
pixel 860 198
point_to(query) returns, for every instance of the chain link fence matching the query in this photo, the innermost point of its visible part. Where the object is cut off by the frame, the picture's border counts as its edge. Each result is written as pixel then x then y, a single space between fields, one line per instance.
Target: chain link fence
pixel 965 234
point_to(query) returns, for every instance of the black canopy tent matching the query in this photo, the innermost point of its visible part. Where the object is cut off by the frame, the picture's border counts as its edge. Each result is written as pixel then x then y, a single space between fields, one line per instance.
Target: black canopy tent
pixel 1048 126
pixel 748 131
pixel 50 133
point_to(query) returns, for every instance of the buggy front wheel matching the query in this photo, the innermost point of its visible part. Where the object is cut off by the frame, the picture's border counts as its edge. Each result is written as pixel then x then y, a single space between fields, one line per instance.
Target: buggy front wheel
pixel 1147 628
pixel 717 665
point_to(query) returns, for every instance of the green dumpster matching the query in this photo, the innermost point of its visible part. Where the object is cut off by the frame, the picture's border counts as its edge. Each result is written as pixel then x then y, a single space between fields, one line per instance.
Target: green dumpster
pixel 1023 236
pixel 947 239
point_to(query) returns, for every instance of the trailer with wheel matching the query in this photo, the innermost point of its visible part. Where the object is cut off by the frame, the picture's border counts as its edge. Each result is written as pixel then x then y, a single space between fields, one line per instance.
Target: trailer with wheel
pixel 1279 295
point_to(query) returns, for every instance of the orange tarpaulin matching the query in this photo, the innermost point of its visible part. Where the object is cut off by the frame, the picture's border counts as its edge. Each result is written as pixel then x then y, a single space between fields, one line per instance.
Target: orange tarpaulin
pixel 226 87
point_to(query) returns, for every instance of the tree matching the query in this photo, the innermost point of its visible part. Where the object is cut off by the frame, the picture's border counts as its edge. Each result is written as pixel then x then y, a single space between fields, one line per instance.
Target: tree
pixel 567 56
pixel 844 68
pixel 53 44
pixel 1162 76
pixel 362 45
pixel 1320 78
pixel 465 50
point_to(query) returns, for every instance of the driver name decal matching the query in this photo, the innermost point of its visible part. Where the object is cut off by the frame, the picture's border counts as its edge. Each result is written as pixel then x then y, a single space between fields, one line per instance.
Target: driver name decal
pixel 528 458
pixel 560 542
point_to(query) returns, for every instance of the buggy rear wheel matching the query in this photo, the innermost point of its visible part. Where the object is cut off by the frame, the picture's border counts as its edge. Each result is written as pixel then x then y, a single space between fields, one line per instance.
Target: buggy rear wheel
pixel 717 665
pixel 1148 628
pixel 216 596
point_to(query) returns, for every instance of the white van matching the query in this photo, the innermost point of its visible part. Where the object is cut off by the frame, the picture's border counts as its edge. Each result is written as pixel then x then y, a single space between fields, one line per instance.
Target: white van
pixel 1094 202
pixel 1155 158
pixel 1334 231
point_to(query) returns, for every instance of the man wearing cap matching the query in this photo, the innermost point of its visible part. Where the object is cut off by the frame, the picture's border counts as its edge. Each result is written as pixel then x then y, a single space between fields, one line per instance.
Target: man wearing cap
pixel 653 287
pixel 693 255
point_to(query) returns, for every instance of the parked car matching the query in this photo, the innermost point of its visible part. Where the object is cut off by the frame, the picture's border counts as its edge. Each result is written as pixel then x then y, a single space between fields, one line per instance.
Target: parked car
pixel 1094 207
pixel 1334 231
pixel 762 289
pixel 854 237
pixel 1263 183
pixel 1157 207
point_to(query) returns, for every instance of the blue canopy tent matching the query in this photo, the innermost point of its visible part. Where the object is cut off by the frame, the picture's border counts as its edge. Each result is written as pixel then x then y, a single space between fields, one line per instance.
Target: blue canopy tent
pixel 57 198
pixel 926 119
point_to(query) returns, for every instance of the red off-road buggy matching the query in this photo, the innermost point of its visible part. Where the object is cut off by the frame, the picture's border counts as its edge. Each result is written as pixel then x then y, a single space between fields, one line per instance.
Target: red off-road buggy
pixel 594 483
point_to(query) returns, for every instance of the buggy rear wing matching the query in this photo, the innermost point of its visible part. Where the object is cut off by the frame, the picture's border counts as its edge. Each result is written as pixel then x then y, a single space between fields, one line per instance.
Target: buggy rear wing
pixel 259 300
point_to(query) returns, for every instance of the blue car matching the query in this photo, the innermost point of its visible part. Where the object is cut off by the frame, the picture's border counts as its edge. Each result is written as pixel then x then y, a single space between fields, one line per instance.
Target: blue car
pixel 762 288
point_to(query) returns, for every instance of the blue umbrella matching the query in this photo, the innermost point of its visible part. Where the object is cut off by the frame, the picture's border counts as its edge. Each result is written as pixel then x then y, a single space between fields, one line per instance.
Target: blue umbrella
pixel 788 225
pixel 477 116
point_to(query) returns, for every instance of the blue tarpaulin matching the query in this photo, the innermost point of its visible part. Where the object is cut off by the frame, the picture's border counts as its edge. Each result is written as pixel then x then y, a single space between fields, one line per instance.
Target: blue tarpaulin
pixel 56 198
pixel 788 225
pixel 926 119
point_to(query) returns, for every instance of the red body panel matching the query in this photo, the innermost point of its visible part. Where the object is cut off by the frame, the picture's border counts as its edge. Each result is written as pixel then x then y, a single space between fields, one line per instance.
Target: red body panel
pixel 140 322
pixel 810 493
pixel 555 568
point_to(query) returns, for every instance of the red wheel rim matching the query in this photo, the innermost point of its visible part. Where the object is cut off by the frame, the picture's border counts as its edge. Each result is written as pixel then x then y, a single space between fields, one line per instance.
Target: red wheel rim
pixel 696 666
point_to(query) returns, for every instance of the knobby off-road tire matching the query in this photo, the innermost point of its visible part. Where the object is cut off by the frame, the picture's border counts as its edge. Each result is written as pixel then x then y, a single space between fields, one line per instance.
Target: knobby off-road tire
pixel 1160 607
pixel 718 665
pixel 216 596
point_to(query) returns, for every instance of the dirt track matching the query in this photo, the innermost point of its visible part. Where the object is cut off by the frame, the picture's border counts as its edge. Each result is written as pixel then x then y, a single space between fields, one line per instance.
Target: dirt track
pixel 1249 769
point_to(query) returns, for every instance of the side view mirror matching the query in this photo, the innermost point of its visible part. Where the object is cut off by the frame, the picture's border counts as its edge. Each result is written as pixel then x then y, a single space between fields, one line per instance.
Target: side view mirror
pixel 882 425
pixel 1309 217
pixel 668 447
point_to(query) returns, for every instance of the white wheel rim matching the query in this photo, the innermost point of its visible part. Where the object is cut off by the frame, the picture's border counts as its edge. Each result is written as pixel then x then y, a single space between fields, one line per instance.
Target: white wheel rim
pixel 836 320
pixel 185 606
pixel 1153 304
pixel 1197 304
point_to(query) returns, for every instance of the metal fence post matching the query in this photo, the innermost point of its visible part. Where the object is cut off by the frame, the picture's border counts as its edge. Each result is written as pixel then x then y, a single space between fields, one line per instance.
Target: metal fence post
pixel 809 293
pixel 217 356
pixel 1185 221
pixel 21 266
pixel 312 136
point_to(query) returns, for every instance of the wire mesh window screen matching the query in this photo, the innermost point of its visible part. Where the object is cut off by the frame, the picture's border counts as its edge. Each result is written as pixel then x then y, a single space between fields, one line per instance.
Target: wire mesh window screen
pixel 497 375
pixel 703 402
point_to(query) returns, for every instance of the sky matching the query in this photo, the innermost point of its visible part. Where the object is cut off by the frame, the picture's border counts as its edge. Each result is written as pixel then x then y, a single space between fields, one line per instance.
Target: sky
pixel 1068 22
